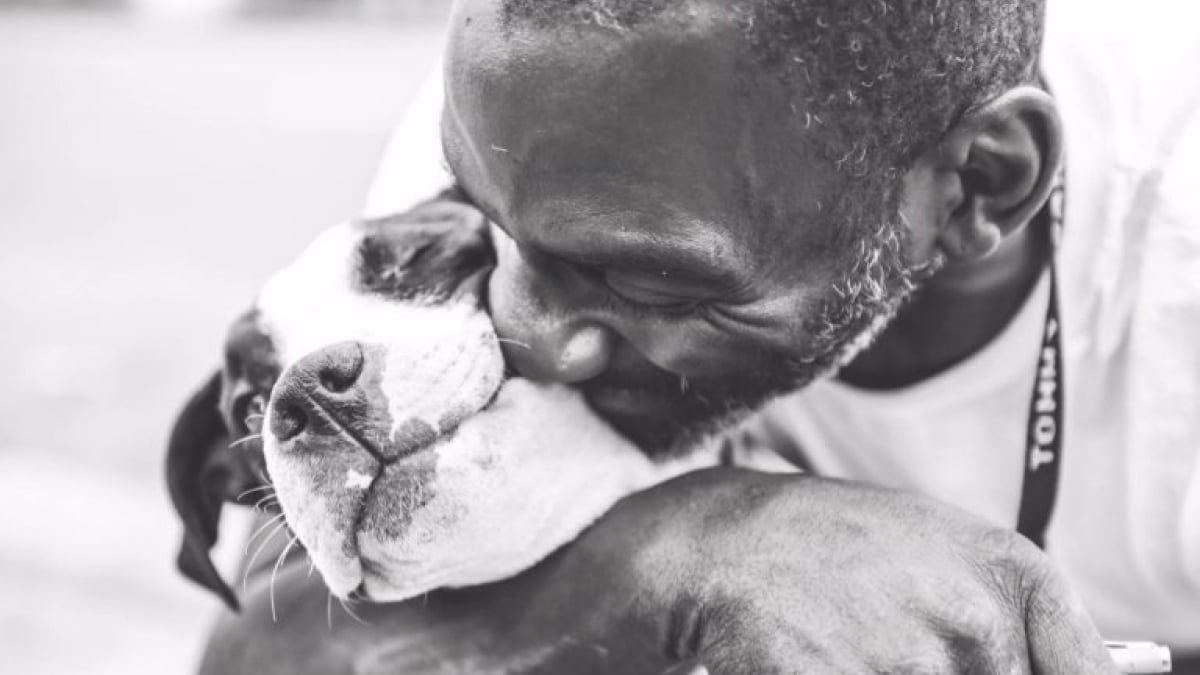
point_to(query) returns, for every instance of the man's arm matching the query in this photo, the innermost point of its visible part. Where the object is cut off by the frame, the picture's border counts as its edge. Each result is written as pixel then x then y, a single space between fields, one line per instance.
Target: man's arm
pixel 762 573
pixel 745 572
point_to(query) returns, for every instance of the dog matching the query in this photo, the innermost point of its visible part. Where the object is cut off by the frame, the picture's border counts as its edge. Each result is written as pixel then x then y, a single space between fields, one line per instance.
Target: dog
pixel 366 391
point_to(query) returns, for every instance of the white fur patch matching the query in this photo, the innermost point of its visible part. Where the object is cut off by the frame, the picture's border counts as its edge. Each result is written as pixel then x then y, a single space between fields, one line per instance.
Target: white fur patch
pixel 356 480
pixel 512 488
pixel 511 484
pixel 314 303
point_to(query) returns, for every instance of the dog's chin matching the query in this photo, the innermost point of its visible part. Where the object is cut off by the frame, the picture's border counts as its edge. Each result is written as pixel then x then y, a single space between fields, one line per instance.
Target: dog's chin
pixel 513 484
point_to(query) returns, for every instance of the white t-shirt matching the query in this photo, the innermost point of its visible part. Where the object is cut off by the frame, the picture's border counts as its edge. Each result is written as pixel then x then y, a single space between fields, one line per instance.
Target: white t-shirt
pixel 1126 529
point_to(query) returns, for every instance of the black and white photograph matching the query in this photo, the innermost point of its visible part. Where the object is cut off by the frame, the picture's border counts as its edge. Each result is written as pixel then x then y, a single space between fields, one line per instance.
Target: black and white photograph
pixel 599 337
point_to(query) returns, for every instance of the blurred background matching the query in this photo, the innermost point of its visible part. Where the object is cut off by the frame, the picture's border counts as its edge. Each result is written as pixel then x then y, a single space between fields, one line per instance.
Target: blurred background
pixel 158 160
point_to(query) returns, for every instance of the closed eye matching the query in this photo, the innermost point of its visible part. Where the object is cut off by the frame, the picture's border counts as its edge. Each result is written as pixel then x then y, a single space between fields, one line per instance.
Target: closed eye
pixel 645 299
pixel 640 295
pixel 658 295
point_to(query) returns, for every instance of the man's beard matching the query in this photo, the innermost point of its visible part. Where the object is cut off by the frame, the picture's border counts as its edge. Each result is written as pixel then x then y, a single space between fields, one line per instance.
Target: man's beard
pixel 682 413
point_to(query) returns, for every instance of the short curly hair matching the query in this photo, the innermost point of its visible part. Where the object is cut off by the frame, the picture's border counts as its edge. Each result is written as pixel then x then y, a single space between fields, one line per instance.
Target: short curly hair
pixel 885 78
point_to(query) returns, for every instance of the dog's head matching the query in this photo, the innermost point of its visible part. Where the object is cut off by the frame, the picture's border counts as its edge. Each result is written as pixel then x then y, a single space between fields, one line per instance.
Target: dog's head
pixel 366 389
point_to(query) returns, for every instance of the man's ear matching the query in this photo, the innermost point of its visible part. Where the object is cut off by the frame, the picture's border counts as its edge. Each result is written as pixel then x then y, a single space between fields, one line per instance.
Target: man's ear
pixel 994 170
pixel 199 485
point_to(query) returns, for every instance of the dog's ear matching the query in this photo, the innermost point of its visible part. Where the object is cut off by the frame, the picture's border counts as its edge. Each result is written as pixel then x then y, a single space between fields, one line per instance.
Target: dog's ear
pixel 437 250
pixel 215 451
pixel 198 487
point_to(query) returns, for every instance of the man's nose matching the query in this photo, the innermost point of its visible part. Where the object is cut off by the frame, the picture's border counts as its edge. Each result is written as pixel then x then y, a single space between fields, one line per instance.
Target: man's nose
pixel 541 319
pixel 569 352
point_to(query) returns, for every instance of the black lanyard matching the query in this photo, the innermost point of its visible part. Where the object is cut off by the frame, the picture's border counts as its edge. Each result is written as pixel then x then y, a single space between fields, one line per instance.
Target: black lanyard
pixel 1043 440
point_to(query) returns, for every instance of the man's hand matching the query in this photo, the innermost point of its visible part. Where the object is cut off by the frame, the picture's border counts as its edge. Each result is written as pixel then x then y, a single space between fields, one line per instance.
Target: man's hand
pixel 756 573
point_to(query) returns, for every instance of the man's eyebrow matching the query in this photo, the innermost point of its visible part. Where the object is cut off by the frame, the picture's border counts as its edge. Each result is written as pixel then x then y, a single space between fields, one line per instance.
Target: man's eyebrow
pixel 686 260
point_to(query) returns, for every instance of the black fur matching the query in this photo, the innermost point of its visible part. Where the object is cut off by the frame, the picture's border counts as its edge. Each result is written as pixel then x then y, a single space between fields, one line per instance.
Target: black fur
pixel 431 257
pixel 195 485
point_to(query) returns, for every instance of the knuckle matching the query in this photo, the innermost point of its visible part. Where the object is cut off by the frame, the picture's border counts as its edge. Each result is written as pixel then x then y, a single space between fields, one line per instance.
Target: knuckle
pixel 988 645
pixel 1008 545
pixel 979 627
pixel 1011 563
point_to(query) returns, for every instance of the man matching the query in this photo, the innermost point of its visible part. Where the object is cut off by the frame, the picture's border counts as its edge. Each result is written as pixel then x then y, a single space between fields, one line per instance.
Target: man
pixel 702 205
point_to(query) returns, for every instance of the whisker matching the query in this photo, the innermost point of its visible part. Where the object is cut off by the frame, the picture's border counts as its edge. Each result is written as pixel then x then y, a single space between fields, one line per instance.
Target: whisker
pixel 250 565
pixel 275 572
pixel 329 609
pixel 253 490
pixel 267 499
pixel 259 531
pixel 346 608
pixel 246 439
pixel 510 341
pixel 255 416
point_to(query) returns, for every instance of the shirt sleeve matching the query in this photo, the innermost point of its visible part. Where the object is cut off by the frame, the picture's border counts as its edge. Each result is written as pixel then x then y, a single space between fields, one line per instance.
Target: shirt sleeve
pixel 413 168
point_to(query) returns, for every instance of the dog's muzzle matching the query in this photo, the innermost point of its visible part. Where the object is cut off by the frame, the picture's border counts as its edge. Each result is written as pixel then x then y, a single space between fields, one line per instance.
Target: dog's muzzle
pixel 333 398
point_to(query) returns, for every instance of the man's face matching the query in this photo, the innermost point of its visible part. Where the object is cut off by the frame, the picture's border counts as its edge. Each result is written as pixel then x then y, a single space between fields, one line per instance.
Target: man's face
pixel 675 244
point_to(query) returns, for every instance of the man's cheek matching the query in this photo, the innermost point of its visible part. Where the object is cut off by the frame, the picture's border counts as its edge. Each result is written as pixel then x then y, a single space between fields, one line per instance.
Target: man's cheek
pixel 520 321
pixel 522 308
pixel 693 349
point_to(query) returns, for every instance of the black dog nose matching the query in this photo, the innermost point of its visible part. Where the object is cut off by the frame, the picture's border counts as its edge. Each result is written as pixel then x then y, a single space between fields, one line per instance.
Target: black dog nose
pixel 320 385
pixel 332 402
pixel 339 366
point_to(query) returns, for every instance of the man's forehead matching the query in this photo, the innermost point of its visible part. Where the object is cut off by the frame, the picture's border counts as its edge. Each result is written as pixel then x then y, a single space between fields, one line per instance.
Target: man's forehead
pixel 657 123
pixel 482 35
pixel 555 105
